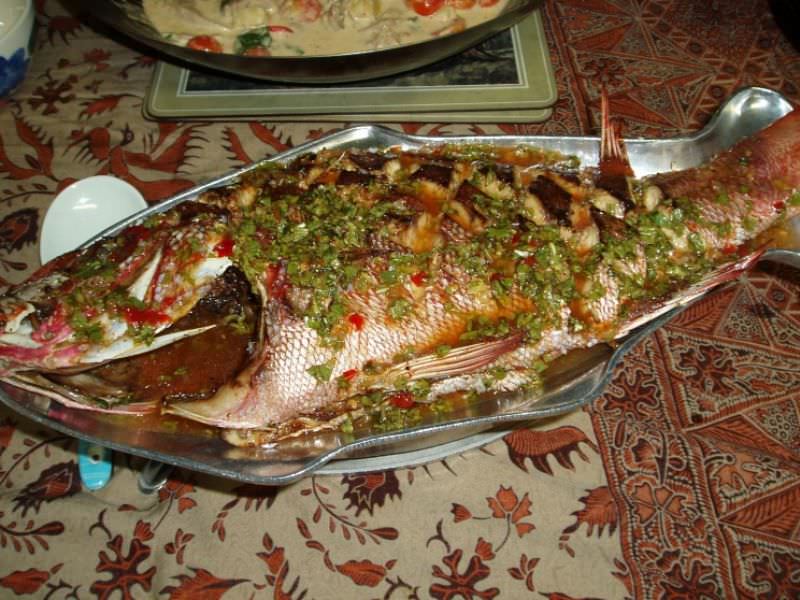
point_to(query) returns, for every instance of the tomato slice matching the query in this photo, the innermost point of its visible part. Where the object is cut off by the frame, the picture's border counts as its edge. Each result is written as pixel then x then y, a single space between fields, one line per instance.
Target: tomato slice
pixel 256 51
pixel 205 43
pixel 461 4
pixel 426 7
pixel 309 10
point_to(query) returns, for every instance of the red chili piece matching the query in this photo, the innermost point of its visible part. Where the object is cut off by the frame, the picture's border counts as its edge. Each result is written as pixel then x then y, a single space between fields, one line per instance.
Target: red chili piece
pixel 779 205
pixel 137 232
pixel 144 316
pixel 357 321
pixel 276 282
pixel 419 278
pixel 350 374
pixel 729 249
pixel 224 247
pixel 279 29
pixel 403 400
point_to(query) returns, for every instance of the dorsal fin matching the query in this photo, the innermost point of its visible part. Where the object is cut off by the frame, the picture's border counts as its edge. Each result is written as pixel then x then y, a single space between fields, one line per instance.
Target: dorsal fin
pixel 613 155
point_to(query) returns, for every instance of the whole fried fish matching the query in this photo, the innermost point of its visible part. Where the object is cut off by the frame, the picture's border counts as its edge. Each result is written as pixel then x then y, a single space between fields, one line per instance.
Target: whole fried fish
pixel 363 278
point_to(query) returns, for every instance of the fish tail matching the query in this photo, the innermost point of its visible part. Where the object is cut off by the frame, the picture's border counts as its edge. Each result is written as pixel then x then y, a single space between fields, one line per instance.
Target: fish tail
pixel 770 160
pixel 747 188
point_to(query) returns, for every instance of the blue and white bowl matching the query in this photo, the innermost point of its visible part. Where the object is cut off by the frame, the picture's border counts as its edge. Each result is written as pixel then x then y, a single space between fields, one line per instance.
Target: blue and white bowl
pixel 16 33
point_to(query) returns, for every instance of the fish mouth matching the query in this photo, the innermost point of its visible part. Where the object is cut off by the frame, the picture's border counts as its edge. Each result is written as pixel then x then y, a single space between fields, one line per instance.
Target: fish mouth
pixel 187 370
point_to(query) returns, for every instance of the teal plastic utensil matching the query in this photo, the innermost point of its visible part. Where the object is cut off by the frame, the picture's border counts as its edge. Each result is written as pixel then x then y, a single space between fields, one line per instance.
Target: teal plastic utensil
pixel 94 465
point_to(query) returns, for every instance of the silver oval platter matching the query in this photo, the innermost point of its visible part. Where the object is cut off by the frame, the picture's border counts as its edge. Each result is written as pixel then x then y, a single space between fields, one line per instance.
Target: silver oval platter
pixel 569 383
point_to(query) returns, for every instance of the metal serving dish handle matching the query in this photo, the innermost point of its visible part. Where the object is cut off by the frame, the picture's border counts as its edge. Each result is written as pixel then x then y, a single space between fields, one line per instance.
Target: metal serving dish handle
pixel 569 384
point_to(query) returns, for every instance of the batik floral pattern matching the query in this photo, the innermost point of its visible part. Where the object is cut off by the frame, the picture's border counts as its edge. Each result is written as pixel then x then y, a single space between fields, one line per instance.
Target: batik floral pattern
pixel 682 480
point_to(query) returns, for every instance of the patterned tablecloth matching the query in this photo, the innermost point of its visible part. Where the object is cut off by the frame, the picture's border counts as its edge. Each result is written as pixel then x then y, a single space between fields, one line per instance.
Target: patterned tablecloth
pixel 683 480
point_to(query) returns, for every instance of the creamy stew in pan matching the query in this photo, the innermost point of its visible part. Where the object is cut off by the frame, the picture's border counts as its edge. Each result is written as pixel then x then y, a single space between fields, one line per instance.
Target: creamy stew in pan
pixel 311 27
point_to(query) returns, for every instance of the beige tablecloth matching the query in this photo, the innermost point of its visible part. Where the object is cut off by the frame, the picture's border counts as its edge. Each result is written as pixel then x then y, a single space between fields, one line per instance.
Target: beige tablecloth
pixel 681 481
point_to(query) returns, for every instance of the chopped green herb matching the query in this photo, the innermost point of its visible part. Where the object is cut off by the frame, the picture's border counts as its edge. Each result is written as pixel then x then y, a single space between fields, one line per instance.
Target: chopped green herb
pixel 321 373
pixel 255 38
pixel 400 309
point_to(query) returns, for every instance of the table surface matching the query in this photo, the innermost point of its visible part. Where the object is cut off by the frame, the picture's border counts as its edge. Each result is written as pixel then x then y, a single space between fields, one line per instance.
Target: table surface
pixel 682 480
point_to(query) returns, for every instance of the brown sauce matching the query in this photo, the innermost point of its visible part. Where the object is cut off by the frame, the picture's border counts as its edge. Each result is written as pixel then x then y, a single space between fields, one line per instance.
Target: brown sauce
pixel 195 367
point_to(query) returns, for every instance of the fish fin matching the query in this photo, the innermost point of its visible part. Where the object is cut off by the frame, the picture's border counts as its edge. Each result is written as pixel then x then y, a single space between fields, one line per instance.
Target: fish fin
pixel 34 382
pixel 140 287
pixel 465 359
pixel 716 278
pixel 221 410
pixel 613 154
pixel 227 406
pixel 126 348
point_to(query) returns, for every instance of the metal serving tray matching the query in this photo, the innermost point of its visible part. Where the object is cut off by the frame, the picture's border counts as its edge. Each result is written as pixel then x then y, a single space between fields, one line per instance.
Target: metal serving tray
pixel 569 384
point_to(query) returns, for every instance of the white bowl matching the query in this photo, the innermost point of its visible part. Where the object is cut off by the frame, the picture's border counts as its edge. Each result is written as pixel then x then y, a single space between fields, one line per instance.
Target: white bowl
pixel 16 41
pixel 84 209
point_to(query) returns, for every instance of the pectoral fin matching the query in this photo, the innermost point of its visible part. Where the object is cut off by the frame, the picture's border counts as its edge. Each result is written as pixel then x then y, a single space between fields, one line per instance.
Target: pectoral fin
pixel 127 347
pixel 458 361
pixel 106 403
pixel 722 275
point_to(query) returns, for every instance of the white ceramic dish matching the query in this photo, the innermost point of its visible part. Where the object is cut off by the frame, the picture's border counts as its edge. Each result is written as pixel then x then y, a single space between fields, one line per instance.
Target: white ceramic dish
pixel 16 29
pixel 84 209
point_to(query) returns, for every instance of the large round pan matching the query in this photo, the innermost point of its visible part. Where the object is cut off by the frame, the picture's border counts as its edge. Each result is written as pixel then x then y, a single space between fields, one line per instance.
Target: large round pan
pixel 128 17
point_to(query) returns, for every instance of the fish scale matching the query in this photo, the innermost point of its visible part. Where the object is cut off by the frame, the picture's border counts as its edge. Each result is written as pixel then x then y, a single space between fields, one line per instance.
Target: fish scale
pixel 295 348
